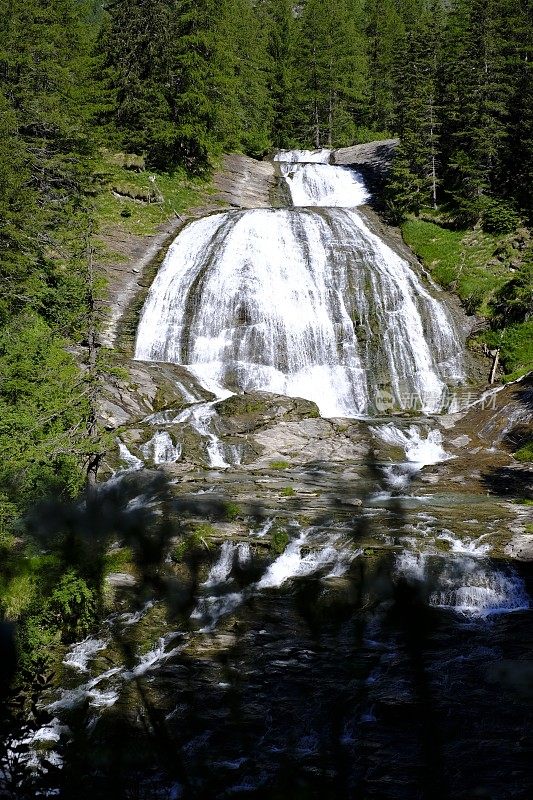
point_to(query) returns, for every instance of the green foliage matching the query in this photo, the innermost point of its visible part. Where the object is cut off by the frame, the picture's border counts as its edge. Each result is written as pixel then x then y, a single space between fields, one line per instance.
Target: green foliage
pixel 287 491
pixel 279 539
pixel 43 406
pixel 332 52
pixel 71 608
pixel 525 453
pixel 232 511
pixel 454 82
pixel 497 216
pixel 188 79
pixel 280 464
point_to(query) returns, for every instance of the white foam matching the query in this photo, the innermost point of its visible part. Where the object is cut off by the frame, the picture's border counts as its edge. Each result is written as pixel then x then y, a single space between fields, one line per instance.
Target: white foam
pixel 161 449
pixel 79 656
pixel 420 450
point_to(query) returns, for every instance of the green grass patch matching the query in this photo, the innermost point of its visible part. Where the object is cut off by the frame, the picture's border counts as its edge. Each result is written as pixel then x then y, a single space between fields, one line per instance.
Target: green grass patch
pixel 516 347
pixel 232 511
pixel 525 453
pixel 280 539
pixel 462 261
pixel 287 491
pixel 120 560
pixel 159 196
pixel 279 464
pixel 476 265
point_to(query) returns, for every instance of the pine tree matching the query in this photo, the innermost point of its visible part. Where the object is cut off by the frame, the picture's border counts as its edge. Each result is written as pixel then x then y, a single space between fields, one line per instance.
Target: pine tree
pixel 285 76
pixel 135 45
pixel 417 113
pixel 384 31
pixel 474 104
pixel 246 59
pixel 516 170
pixel 332 58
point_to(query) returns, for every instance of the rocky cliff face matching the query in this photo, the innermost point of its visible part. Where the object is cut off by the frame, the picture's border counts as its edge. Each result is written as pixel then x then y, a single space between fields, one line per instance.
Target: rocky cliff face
pixel 375 155
pixel 372 159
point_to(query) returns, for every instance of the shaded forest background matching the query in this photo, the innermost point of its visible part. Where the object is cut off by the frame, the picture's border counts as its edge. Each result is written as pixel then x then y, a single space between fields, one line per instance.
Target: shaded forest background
pixel 178 82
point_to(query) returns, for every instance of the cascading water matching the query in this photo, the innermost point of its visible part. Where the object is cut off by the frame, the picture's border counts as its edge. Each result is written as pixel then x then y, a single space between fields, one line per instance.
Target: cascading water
pixel 305 302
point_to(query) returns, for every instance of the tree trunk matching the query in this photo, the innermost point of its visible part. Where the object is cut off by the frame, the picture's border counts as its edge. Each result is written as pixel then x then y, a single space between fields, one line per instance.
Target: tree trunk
pixel 95 457
pixel 494 367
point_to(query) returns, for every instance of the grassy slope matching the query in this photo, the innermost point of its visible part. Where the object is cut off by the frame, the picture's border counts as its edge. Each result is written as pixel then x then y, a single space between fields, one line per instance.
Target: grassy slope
pixel 177 194
pixel 475 265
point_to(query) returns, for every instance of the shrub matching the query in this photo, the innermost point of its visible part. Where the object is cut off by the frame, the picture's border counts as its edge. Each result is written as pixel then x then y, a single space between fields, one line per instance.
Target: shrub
pixel 72 607
pixel 525 453
pixel 280 539
pixel 498 216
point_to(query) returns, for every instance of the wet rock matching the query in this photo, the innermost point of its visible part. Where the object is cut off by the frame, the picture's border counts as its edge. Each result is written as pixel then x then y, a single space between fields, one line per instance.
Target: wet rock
pixel 145 389
pixel 245 182
pixel 246 412
pixel 120 579
pixel 521 547
pixel 378 155
pixel 308 440
pixel 461 441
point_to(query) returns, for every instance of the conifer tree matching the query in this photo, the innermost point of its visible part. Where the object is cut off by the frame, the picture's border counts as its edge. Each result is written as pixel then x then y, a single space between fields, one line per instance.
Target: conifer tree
pixel 415 71
pixel 285 76
pixel 384 32
pixel 475 112
pixel 246 55
pixel 333 60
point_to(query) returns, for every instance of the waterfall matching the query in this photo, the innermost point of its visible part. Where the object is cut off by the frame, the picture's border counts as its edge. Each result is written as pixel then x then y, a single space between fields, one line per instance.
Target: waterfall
pixel 303 301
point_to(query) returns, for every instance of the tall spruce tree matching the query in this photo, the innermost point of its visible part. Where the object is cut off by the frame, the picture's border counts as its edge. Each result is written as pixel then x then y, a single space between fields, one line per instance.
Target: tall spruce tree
pixel 333 61
pixel 384 32
pixel 247 55
pixel 475 107
pixel 284 72
pixel 415 172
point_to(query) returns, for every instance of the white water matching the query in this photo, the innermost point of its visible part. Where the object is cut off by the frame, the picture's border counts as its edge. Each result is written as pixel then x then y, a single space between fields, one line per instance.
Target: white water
pixel 229 554
pixel 199 417
pixel 80 655
pixel 464 581
pixel 305 555
pixel 420 450
pixel 295 563
pixel 301 302
pixel 303 156
pixel 324 186
pixel 132 462
pixel 161 449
